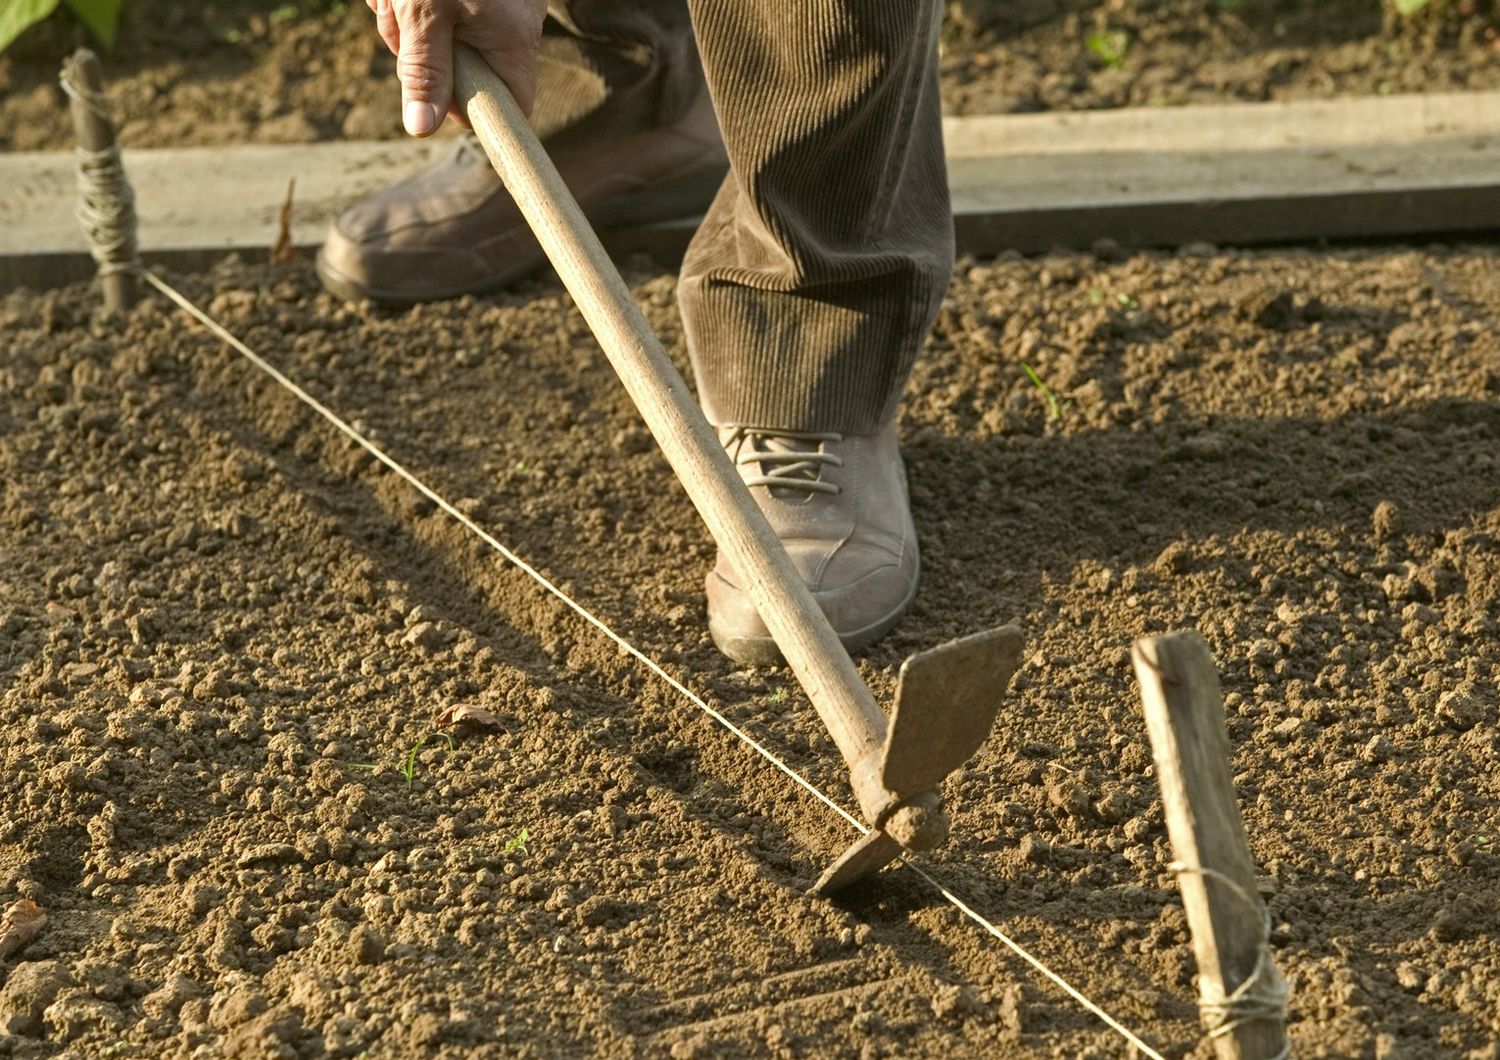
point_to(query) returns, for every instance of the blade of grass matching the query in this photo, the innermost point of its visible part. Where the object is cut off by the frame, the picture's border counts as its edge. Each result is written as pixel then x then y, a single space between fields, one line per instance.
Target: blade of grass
pixel 1054 407
pixel 409 768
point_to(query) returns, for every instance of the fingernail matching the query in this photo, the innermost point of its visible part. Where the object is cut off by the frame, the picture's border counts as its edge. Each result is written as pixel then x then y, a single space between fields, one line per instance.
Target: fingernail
pixel 420 118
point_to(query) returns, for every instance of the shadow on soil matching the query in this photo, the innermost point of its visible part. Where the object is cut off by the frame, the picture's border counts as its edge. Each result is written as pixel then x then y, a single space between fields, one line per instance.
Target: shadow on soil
pixel 1120 497
pixel 444 566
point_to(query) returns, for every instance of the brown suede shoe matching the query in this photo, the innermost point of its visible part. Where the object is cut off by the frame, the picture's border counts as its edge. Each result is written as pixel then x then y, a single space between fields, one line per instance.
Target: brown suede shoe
pixel 839 505
pixel 452 229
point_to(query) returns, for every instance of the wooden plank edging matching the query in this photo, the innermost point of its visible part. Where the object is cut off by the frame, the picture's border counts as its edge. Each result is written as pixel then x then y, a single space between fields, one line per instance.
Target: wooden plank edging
pixel 1387 166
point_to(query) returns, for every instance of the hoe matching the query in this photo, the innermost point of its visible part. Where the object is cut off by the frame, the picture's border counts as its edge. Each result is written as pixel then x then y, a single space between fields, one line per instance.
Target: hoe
pixel 946 697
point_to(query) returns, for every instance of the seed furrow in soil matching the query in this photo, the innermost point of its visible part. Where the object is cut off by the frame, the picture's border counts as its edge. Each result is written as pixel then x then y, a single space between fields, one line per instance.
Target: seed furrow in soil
pixel 741 1006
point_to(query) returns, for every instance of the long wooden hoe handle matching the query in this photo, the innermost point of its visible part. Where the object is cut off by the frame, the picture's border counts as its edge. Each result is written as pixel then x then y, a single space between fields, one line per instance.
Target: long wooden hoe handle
pixel 801 630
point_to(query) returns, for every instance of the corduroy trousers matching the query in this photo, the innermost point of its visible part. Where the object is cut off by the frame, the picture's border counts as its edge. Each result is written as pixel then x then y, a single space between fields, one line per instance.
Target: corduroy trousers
pixel 819 268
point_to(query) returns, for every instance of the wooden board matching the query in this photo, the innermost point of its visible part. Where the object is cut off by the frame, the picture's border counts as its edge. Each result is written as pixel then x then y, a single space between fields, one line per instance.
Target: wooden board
pixel 1236 173
pixel 195 204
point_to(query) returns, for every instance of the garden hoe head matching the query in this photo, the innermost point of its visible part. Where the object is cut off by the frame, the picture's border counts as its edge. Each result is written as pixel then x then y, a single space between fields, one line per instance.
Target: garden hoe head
pixel 946 701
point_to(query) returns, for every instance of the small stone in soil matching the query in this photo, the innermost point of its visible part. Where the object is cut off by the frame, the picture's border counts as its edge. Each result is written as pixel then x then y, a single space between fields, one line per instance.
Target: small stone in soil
pixel 424 635
pixel 1069 798
pixel 1034 849
pixel 1461 708
pixel 1012 1015
pixel 1385 520
pixel 1112 808
pixel 631 440
pixel 526 888
pixel 198 898
pixel 268 853
pixel 75 1014
pixel 612 820
pixel 167 1000
pixel 366 946
pixel 244 469
pixel 273 1034
pixel 951 999
pixel 29 989
pixel 236 1006
pixel 1410 977
pixel 238 524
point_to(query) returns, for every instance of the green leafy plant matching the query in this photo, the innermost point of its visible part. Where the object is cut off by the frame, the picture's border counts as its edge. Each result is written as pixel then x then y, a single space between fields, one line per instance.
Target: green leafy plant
pixel 102 17
pixel 1055 408
pixel 1409 7
pixel 1109 46
pixel 518 842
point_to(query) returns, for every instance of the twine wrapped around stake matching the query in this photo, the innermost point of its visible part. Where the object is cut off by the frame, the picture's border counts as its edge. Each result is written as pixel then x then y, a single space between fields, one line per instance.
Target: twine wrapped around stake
pixel 1263 995
pixel 1242 995
pixel 106 203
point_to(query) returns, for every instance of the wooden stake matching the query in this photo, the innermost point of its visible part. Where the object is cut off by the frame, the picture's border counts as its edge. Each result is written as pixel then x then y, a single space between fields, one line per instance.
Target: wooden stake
pixel 96 132
pixel 1185 719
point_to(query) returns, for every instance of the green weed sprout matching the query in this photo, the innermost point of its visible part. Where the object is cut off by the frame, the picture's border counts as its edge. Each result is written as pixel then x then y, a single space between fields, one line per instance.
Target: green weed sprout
pixel 410 765
pixel 1109 47
pixel 1055 407
pixel 518 842
pixel 407 766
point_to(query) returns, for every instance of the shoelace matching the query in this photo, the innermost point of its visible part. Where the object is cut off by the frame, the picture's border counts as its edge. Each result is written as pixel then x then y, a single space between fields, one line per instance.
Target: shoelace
pixel 783 465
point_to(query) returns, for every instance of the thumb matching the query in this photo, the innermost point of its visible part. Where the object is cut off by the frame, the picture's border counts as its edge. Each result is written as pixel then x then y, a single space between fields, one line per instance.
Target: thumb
pixel 425 68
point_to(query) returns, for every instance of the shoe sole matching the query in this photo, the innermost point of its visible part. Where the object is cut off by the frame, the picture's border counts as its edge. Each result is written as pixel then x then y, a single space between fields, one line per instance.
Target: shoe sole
pixel 655 205
pixel 762 651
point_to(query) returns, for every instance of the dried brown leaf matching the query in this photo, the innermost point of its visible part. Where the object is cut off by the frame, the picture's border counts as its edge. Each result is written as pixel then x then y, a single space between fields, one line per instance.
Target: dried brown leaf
pixel 282 251
pixel 23 921
pixel 466 712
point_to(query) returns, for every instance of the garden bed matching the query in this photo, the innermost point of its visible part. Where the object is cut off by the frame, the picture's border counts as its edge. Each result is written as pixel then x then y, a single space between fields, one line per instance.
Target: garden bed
pixel 224 631
pixel 271 71
pixel 228 638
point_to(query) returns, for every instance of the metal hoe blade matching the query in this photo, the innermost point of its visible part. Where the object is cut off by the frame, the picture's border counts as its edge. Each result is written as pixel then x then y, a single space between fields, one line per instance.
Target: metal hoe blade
pixel 869 854
pixel 946 701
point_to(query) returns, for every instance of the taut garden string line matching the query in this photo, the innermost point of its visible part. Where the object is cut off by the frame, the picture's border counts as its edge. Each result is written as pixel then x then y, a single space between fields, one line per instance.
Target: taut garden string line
pixel 469 524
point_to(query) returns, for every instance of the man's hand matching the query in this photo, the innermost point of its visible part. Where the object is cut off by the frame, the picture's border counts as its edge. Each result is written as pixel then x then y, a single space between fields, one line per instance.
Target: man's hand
pixel 421 34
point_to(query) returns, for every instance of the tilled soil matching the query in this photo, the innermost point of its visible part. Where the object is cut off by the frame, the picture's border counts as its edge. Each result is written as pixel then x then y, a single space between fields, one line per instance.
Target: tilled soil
pixel 1028 55
pixel 270 71
pixel 223 630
